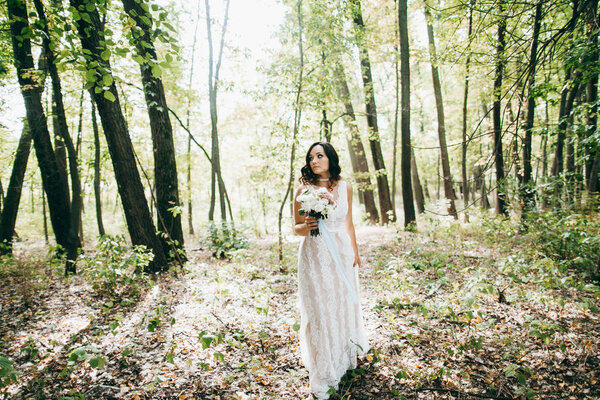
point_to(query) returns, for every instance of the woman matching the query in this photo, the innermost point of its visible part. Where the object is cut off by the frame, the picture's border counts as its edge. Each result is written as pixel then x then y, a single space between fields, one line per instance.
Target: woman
pixel 331 332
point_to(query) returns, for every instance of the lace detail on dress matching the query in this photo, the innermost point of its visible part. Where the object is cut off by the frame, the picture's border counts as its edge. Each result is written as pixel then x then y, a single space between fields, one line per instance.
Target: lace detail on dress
pixel 331 332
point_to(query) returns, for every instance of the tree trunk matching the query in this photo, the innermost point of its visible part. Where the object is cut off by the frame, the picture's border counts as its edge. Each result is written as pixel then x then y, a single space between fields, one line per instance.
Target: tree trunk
pixel 527 187
pixel 139 220
pixel 97 189
pixel 567 100
pixel 439 103
pixel 8 218
pixel 189 142
pixel 414 174
pixel 61 129
pixel 296 128
pixel 496 112
pixel 355 146
pixel 58 201
pixel 592 164
pixel 383 190
pixel 465 184
pixel 165 166
pixel 410 218
pixel 213 81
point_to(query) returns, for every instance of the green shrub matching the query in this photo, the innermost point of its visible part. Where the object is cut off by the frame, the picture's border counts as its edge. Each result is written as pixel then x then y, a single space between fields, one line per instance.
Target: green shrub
pixel 224 238
pixel 572 239
pixel 116 267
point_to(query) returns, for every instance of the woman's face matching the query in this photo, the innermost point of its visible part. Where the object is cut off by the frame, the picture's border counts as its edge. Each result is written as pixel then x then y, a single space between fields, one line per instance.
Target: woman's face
pixel 319 163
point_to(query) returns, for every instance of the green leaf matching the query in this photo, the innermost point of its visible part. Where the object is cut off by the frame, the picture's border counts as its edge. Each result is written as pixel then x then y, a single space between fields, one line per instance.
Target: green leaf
pixel 169 358
pixel 107 80
pixel 105 54
pixel 109 96
pixel 97 362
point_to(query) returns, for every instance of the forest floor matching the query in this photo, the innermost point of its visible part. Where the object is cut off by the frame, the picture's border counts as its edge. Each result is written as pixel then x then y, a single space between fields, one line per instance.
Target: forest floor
pixel 452 311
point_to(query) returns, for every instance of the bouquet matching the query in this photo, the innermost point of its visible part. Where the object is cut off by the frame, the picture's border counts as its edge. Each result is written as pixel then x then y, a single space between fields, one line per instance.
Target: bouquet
pixel 314 203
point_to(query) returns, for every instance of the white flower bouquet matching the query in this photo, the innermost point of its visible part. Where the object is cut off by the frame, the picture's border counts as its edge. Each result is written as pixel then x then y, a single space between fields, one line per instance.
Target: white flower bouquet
pixel 314 203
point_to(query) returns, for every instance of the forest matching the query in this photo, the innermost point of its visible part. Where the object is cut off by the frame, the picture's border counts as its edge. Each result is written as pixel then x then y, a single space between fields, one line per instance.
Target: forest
pixel 150 151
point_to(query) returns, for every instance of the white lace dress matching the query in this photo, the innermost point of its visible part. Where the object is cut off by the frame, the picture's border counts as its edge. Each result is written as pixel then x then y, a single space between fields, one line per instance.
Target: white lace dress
pixel 332 333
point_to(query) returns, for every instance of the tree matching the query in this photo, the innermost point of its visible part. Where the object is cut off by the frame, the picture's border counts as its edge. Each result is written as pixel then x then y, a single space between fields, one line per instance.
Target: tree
pixel 97 190
pixel 465 183
pixel 60 126
pixel 496 111
pixel 355 146
pixel 213 81
pixel 383 189
pixel 297 119
pixel 8 217
pixel 31 90
pixel 526 189
pixel 104 92
pixel 407 190
pixel 439 104
pixel 165 167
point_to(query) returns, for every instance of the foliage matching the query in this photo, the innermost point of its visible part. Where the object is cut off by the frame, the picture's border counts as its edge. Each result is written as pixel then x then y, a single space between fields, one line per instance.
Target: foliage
pixel 117 268
pixel 570 238
pixel 224 239
pixel 7 374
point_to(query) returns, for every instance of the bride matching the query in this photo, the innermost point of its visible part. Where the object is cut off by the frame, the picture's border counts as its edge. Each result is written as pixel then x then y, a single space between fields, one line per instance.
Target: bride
pixel 332 334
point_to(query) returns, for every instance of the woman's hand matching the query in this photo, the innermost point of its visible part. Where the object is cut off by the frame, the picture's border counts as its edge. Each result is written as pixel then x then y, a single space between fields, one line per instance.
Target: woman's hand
pixel 357 262
pixel 311 223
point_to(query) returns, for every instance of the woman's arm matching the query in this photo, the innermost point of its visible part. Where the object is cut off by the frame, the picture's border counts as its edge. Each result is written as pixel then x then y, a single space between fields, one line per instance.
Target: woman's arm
pixel 350 227
pixel 302 224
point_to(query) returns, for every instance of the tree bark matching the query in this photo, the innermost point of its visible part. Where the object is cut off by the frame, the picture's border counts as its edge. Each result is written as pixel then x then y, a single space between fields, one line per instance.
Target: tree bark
pixel 139 220
pixel 355 146
pixel 8 218
pixel 418 189
pixel 592 164
pixel 383 190
pixel 527 187
pixel 61 129
pixel 465 184
pixel 567 99
pixel 496 111
pixel 165 165
pixel 97 170
pixel 213 81
pixel 410 218
pixel 439 103
pixel 31 90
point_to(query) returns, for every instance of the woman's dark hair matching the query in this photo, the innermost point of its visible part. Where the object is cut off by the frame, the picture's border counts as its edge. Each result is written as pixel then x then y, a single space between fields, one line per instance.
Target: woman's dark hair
pixel 309 177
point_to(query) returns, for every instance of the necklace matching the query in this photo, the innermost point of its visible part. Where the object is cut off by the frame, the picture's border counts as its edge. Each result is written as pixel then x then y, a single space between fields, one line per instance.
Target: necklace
pixel 324 180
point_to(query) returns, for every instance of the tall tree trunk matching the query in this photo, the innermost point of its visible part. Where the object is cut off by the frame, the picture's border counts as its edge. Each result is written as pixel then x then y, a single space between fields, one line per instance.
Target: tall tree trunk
pixel 189 141
pixel 355 145
pixel 61 129
pixel 139 220
pixel 496 112
pixel 396 109
pixel 213 81
pixel 8 218
pixel 383 190
pixel 465 183
pixel 97 189
pixel 165 166
pixel 592 164
pixel 44 217
pixel 527 190
pixel 410 218
pixel 418 189
pixel 439 103
pixel 297 118
pixel 31 91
